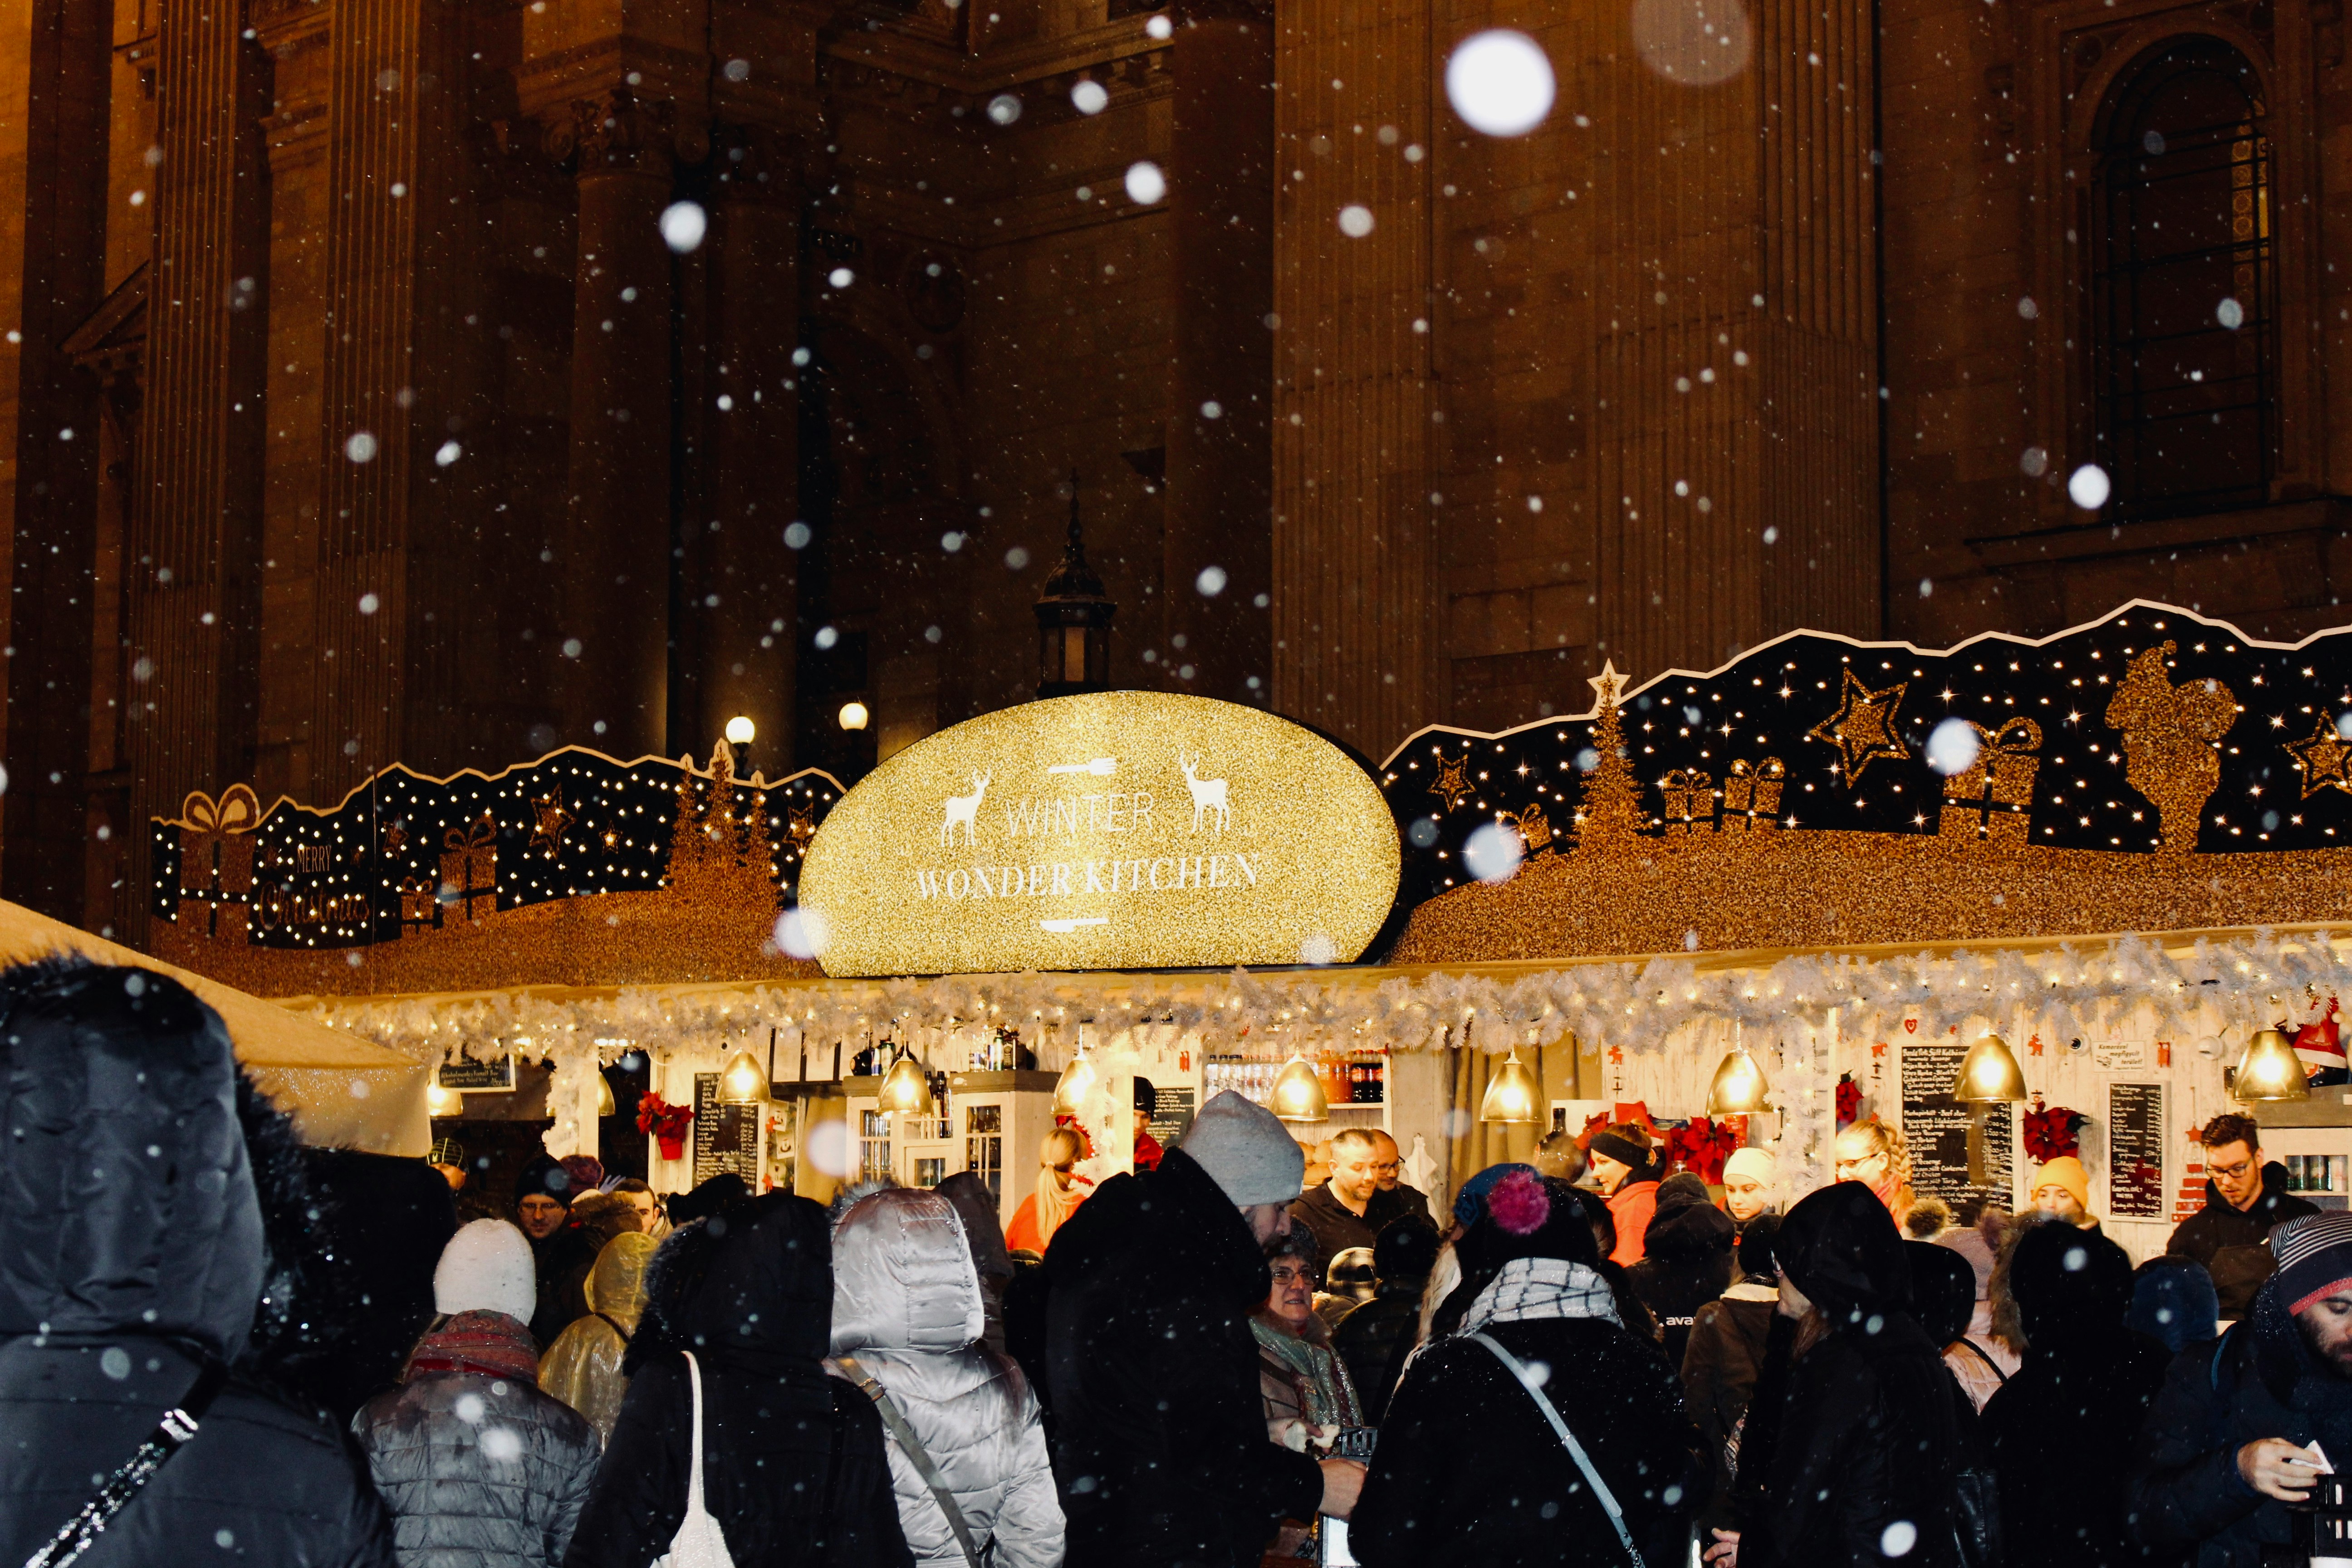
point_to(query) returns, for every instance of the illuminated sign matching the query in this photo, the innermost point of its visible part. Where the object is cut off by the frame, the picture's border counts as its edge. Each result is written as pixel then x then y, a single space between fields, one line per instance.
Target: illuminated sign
pixel 1117 830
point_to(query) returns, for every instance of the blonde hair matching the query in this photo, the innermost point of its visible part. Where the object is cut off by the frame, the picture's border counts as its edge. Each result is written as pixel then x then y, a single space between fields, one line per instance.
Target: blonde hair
pixel 1886 1138
pixel 1055 1139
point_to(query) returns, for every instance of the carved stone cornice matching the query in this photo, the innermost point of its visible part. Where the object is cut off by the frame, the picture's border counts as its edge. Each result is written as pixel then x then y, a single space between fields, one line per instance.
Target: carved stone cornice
pixel 617 132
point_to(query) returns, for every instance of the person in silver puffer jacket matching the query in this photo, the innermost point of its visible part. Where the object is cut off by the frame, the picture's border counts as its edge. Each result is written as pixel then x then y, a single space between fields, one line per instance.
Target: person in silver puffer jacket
pixel 908 1311
pixel 479 1469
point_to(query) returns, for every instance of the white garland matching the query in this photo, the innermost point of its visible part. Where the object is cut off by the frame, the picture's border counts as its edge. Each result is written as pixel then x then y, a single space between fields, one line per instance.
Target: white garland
pixel 2073 990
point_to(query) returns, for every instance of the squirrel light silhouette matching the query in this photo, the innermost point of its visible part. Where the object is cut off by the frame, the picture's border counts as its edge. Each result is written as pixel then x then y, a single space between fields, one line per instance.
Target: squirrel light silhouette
pixel 2169 733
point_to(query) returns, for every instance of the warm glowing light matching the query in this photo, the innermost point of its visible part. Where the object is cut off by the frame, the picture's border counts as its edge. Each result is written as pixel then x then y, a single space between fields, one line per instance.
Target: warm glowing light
pixel 1739 1089
pixel 1512 1095
pixel 2269 1070
pixel 604 1106
pixel 1298 1094
pixel 740 731
pixel 1078 1082
pixel 853 715
pixel 1988 1074
pixel 907 1089
pixel 439 1101
pixel 742 1081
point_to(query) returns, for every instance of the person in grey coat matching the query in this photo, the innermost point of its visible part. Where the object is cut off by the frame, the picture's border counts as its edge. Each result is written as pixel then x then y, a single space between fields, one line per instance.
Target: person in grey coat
pixel 908 1315
pixel 479 1469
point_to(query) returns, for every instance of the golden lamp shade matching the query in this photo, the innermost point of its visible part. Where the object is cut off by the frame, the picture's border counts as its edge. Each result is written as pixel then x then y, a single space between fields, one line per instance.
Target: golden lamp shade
pixel 1738 1089
pixel 1513 1097
pixel 1988 1074
pixel 742 1081
pixel 2269 1070
pixel 605 1105
pixel 1298 1094
pixel 1075 1085
pixel 907 1089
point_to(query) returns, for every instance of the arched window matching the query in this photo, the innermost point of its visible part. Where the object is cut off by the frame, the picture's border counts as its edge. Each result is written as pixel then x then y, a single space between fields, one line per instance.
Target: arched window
pixel 2184 288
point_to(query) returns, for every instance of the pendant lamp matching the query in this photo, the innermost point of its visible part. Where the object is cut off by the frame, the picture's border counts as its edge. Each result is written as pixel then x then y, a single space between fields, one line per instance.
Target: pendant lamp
pixel 440 1101
pixel 1988 1074
pixel 1739 1088
pixel 1077 1080
pixel 604 1106
pixel 1514 1098
pixel 1297 1093
pixel 906 1088
pixel 2269 1070
pixel 742 1081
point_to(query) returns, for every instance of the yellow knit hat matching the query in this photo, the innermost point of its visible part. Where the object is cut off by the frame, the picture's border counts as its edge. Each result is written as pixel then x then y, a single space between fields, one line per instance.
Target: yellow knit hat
pixel 2064 1172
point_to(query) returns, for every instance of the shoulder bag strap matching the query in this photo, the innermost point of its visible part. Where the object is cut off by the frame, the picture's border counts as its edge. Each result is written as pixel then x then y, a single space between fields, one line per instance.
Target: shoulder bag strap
pixel 912 1446
pixel 1567 1440
pixel 170 1434
pixel 1969 1345
pixel 694 1504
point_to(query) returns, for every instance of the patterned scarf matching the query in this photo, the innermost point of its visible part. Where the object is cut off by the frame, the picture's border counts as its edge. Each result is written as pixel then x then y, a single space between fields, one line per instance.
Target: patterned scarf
pixel 1329 1398
pixel 1530 1288
pixel 488 1345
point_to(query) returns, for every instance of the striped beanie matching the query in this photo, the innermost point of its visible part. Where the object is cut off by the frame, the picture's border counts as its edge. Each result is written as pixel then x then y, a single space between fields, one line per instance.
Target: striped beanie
pixel 2315 1259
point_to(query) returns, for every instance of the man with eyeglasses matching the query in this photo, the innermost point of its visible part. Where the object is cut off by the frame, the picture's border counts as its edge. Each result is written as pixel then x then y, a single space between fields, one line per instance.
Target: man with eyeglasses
pixel 1388 1168
pixel 2245 1199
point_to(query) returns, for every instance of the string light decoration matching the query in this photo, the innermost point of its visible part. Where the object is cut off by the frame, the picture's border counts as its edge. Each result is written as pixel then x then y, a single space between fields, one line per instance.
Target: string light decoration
pixel 2154 769
pixel 405 860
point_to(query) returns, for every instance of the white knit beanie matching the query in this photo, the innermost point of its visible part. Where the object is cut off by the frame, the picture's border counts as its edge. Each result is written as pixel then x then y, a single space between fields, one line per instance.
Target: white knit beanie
pixel 487 1267
pixel 1246 1150
pixel 1759 1166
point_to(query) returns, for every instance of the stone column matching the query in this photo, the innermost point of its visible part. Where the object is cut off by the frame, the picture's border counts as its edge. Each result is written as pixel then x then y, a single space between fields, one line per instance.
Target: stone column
pixel 192 601
pixel 53 199
pixel 614 560
pixel 745 578
pixel 1221 399
pixel 1355 584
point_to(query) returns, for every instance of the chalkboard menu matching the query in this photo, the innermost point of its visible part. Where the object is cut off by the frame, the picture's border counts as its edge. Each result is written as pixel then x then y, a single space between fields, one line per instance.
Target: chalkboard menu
pixel 1172 1115
pixel 726 1137
pixel 1936 1127
pixel 2136 1150
pixel 478 1076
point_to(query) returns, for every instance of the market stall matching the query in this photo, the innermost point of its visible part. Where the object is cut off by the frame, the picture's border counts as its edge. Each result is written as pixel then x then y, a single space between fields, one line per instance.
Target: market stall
pixel 1850 863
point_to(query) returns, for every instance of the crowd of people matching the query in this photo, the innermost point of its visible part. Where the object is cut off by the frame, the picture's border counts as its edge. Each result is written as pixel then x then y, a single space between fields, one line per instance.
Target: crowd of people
pixel 213 1341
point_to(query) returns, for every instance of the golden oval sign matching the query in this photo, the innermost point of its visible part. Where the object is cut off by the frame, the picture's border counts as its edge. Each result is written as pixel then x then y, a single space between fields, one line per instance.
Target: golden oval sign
pixel 1113 830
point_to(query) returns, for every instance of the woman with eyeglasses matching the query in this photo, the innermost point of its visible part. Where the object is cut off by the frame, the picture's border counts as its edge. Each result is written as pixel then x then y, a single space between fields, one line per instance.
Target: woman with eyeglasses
pixel 1872 1151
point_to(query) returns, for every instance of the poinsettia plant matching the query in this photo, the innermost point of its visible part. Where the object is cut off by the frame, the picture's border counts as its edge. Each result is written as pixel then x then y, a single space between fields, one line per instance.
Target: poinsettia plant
pixel 665 1122
pixel 1703 1146
pixel 2053 1133
pixel 1849 1101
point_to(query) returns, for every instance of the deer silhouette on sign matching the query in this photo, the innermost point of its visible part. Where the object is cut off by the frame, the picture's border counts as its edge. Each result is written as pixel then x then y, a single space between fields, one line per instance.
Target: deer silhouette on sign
pixel 1208 794
pixel 964 808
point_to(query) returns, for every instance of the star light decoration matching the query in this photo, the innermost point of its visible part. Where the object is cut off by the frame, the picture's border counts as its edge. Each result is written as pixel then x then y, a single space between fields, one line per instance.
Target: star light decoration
pixel 1872 705
pixel 574 823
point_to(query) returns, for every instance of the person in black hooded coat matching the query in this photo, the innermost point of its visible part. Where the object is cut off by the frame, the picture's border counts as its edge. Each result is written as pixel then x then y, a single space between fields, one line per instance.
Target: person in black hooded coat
pixel 1687 1260
pixel 1726 1351
pixel 1469 1471
pixel 792 1461
pixel 2057 1429
pixel 1867 1440
pixel 155 1223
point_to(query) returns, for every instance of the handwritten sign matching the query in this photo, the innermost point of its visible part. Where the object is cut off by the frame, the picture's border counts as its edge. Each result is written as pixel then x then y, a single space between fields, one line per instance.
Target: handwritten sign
pixel 477 1077
pixel 1936 1127
pixel 1172 1115
pixel 2126 1055
pixel 726 1137
pixel 2136 1150
pixel 1117 830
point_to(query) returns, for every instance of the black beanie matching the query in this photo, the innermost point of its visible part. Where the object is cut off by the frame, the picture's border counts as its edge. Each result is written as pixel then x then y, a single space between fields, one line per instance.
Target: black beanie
pixel 546 1177
pixel 1404 1250
pixel 1614 1143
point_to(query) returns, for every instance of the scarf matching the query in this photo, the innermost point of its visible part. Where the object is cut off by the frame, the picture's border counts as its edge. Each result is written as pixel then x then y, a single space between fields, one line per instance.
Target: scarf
pixel 1532 1288
pixel 1329 1398
pixel 487 1344
pixel 1053 1205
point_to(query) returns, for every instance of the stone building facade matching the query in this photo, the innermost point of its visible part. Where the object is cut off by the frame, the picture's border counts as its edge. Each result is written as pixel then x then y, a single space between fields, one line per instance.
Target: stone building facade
pixel 360 408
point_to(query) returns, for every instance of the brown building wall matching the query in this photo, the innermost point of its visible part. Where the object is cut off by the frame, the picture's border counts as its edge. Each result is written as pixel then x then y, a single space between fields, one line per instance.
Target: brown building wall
pixel 1685 367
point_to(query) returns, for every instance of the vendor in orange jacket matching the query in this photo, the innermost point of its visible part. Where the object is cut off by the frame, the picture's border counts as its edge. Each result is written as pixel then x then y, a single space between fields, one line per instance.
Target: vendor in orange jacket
pixel 1624 1165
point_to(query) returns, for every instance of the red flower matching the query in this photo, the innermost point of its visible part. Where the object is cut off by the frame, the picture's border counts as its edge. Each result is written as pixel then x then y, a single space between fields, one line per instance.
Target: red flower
pixel 2052 1134
pixel 662 1120
pixel 1849 1099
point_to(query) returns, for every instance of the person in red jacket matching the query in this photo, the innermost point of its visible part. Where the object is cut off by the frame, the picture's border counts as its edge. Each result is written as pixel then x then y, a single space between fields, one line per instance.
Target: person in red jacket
pixel 1626 1168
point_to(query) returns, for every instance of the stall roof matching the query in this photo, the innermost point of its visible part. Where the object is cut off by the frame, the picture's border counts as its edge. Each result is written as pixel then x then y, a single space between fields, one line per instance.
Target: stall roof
pixel 341 1090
